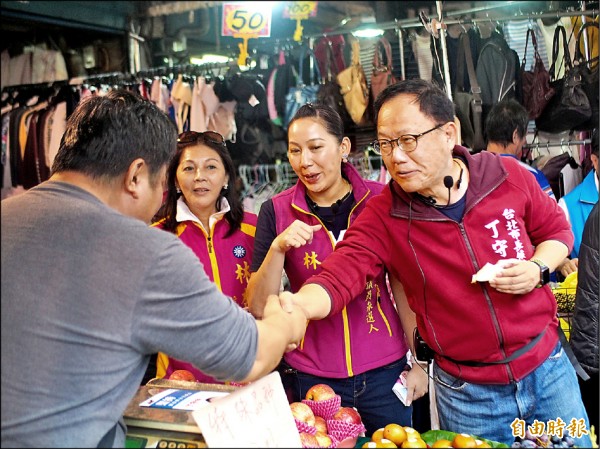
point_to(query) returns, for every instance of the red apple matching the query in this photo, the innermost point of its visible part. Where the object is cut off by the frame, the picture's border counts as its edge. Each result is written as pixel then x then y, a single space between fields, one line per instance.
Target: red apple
pixel 308 440
pixel 303 413
pixel 182 374
pixel 320 392
pixel 348 414
pixel 323 439
pixel 321 424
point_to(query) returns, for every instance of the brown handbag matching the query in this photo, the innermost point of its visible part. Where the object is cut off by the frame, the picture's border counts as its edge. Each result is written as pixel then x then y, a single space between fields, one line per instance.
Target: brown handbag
pixel 537 90
pixel 353 86
pixel 382 73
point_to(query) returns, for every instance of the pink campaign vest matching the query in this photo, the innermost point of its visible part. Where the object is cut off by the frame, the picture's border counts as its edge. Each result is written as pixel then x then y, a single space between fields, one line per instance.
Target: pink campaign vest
pixel 367 334
pixel 226 262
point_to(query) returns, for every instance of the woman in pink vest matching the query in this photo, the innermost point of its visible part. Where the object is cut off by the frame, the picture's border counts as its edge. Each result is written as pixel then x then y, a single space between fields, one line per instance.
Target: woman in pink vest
pixel 203 208
pixel 360 352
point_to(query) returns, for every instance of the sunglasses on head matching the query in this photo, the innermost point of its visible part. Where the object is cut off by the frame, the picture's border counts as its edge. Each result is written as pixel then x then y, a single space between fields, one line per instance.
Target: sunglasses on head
pixel 188 137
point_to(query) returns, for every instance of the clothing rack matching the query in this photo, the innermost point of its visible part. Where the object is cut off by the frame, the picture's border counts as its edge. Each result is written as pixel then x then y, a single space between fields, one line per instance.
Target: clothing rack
pixel 522 16
pixel 402 24
pixel 189 69
pixel 556 144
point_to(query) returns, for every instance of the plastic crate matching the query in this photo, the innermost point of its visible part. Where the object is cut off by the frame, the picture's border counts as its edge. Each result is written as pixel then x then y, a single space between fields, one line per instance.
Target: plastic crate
pixel 565 299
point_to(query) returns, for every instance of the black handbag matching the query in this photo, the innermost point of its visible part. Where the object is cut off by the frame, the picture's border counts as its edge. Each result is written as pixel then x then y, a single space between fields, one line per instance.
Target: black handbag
pixel 570 106
pixel 588 69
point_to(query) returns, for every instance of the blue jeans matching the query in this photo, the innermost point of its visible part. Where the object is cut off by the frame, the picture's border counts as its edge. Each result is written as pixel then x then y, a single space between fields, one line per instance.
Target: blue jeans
pixel 370 392
pixel 548 393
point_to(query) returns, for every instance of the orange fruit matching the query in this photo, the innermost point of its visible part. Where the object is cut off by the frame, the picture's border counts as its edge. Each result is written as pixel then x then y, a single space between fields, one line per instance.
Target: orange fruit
pixel 442 443
pixel 413 442
pixel 377 435
pixel 372 444
pixel 395 433
pixel 464 440
pixel 410 432
pixel 386 443
pixel 481 444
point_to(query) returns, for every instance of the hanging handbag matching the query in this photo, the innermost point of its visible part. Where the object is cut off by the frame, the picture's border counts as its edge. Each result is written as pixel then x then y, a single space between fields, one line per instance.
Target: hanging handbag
pixel 329 93
pixel 353 86
pixel 382 73
pixel 302 93
pixel 588 69
pixel 469 106
pixel 569 107
pixel 537 90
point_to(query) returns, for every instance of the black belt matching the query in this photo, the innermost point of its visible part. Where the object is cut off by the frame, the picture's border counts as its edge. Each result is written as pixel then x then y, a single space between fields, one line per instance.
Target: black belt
pixel 508 359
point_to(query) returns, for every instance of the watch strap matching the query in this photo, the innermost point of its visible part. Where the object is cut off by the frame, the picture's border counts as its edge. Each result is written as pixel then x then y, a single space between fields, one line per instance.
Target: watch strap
pixel 544 272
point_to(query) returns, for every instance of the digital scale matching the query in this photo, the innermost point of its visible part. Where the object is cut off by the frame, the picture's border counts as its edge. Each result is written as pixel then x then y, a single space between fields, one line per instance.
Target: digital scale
pixel 164 428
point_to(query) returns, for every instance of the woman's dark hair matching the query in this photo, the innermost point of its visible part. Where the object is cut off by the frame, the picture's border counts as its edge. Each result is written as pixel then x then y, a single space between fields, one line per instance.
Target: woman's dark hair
pixel 105 134
pixel 329 117
pixel 502 120
pixel 168 211
pixel 433 101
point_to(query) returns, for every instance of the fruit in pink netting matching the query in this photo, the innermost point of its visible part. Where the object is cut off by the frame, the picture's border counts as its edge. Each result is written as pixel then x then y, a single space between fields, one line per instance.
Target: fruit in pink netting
pixel 348 415
pixel 302 413
pixel 320 392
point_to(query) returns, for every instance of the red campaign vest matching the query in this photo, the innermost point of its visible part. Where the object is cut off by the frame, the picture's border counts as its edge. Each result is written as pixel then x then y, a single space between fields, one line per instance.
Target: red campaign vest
pixel 367 334
pixel 226 262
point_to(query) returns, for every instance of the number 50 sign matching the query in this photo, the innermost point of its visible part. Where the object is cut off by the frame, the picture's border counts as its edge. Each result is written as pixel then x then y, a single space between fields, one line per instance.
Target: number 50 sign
pixel 246 18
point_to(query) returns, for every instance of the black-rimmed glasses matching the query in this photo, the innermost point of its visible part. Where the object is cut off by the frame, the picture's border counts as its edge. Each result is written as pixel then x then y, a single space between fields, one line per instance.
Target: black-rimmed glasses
pixel 406 142
pixel 188 137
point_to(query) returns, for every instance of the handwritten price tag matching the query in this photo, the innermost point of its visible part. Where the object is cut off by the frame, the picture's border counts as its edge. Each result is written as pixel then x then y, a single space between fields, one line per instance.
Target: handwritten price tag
pixel 257 415
pixel 300 10
pixel 246 18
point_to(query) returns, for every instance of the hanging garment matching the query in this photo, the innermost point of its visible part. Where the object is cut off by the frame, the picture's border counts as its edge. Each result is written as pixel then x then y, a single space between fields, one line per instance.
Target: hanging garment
pixel 198 116
pixel 421 47
pixel 515 33
pixel 547 31
pixel 47 66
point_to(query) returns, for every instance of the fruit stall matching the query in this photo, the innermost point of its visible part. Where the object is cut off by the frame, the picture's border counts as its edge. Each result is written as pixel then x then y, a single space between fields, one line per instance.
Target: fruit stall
pixel 175 413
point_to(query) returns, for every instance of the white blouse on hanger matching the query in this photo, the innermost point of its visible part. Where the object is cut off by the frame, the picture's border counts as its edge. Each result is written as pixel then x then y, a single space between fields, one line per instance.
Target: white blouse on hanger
pixel 548 34
pixel 422 51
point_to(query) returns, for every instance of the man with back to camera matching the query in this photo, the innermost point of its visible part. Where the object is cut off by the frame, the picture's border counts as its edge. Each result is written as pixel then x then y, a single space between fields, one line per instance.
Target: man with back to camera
pixel 498 362
pixel 577 205
pixel 506 133
pixel 89 291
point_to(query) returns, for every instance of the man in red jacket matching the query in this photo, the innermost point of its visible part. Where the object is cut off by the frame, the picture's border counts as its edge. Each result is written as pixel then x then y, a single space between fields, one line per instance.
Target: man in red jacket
pixel 499 366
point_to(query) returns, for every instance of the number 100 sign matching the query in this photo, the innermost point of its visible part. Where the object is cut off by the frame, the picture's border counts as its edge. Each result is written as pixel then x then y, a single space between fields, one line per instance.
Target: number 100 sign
pixel 246 18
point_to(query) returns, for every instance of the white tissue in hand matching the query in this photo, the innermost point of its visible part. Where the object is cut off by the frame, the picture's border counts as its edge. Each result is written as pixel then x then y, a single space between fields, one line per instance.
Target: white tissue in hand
pixel 489 271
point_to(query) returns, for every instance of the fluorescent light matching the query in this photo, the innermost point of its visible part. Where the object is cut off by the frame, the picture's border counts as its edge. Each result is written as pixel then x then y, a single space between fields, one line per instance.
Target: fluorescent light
pixel 208 58
pixel 368 32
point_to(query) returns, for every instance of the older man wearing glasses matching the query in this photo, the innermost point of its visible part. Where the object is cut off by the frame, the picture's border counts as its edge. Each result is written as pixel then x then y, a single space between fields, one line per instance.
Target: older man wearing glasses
pixel 498 363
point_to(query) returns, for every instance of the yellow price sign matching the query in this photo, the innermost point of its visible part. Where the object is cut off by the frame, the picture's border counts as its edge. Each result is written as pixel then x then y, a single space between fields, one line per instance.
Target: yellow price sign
pixel 300 10
pixel 243 18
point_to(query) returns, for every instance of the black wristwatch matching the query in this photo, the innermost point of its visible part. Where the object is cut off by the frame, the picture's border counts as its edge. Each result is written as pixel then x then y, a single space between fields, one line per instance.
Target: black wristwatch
pixel 544 272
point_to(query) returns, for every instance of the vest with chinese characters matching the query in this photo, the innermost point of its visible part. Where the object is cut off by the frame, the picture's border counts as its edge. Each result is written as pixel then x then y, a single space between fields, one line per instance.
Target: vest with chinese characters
pixel 367 334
